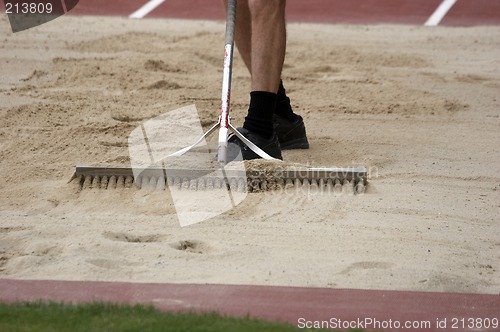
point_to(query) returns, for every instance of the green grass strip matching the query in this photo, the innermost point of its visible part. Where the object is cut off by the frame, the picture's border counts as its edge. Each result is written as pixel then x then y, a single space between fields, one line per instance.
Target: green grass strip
pixel 41 317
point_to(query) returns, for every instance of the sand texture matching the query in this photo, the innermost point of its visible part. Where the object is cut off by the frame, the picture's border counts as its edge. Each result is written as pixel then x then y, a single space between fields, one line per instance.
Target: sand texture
pixel 417 106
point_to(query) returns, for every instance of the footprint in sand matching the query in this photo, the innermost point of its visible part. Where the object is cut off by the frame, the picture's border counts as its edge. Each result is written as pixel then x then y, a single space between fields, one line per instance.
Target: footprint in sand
pixel 192 246
pixel 366 266
pixel 131 238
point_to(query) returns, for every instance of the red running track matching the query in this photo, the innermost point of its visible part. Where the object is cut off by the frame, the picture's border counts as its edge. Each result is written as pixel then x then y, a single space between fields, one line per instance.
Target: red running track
pixel 463 13
pixel 287 304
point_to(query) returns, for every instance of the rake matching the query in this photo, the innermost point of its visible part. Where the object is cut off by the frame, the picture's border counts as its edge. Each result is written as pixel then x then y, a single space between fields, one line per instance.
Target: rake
pixel 324 180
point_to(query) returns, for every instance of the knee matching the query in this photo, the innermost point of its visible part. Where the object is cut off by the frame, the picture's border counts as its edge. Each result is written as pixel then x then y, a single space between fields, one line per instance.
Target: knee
pixel 262 8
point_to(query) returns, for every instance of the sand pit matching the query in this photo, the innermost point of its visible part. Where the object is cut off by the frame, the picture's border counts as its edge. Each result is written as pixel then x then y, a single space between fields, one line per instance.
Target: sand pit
pixel 418 106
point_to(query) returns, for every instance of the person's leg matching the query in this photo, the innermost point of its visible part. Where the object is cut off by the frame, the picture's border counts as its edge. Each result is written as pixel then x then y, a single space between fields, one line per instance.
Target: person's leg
pixel 243 39
pixel 283 105
pixel 262 100
pixel 268 46
pixel 268 40
pixel 261 40
pixel 268 43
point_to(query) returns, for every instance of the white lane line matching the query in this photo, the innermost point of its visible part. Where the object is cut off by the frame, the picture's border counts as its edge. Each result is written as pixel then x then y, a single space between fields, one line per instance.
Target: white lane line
pixel 146 9
pixel 440 13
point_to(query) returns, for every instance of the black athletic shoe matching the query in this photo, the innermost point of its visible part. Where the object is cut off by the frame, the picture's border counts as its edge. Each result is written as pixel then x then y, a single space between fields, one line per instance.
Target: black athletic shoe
pixel 270 145
pixel 291 135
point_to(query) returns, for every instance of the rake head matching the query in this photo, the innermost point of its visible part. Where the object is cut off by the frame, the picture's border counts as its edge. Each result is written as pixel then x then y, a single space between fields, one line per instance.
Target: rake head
pixel 321 180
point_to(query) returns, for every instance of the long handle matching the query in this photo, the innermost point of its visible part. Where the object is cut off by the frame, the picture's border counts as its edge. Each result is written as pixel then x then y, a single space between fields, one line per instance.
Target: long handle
pixel 226 81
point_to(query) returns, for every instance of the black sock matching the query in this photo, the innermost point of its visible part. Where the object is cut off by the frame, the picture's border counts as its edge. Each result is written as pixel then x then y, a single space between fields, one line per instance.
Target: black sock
pixel 283 106
pixel 260 113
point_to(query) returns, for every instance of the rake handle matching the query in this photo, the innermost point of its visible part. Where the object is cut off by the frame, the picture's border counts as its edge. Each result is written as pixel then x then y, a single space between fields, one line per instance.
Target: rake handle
pixel 226 82
pixel 230 21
